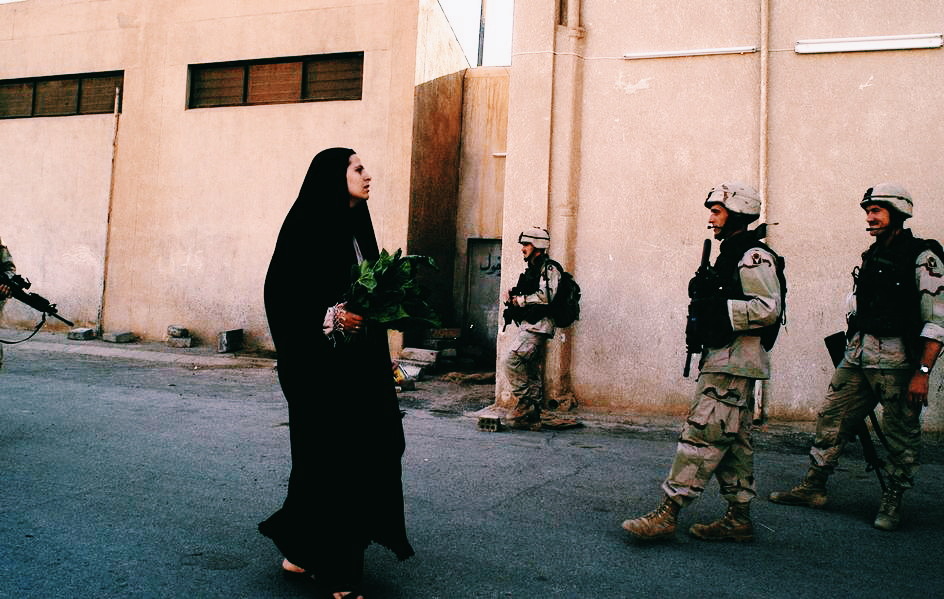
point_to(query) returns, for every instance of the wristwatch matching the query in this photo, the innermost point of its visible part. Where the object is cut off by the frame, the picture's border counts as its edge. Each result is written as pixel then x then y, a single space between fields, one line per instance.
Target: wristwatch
pixel 924 369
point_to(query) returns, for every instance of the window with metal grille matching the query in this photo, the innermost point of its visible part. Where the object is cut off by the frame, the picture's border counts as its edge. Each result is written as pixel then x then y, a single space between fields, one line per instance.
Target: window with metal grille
pixel 90 93
pixel 315 78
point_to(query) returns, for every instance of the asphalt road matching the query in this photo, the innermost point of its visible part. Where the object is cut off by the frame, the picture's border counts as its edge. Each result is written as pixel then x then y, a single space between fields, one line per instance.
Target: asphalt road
pixel 139 478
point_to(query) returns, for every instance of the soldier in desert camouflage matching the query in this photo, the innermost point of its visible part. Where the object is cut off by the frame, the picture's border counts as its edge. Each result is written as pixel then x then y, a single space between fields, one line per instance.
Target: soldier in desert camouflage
pixel 737 323
pixel 896 332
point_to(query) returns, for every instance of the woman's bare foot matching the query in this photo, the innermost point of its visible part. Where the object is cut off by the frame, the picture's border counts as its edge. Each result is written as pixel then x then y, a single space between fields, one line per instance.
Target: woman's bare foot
pixel 343 594
pixel 290 567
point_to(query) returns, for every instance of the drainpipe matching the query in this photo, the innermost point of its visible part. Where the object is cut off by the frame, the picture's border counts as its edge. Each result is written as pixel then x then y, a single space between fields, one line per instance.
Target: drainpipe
pixel 762 390
pixel 562 199
pixel 763 160
pixel 111 196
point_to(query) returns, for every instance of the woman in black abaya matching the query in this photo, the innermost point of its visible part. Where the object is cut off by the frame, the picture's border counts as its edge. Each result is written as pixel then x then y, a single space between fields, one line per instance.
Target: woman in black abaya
pixel 346 435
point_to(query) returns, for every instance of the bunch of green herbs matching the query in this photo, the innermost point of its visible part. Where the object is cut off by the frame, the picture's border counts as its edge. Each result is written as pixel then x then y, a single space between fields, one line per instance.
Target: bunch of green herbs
pixel 386 291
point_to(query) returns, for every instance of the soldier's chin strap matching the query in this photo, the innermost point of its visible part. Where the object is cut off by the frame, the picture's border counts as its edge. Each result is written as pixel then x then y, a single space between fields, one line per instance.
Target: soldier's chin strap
pixel 31 335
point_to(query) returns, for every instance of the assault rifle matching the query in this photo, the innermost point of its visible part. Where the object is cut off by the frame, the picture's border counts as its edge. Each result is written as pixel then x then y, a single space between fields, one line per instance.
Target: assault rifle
pixel 516 314
pixel 836 346
pixel 702 286
pixel 18 290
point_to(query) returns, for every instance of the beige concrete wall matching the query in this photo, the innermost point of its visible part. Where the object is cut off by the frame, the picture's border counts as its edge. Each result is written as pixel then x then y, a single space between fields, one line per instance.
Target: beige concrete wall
pixel 437 130
pixel 437 127
pixel 55 173
pixel 200 194
pixel 481 166
pixel 841 123
pixel 438 52
pixel 621 172
pixel 54 178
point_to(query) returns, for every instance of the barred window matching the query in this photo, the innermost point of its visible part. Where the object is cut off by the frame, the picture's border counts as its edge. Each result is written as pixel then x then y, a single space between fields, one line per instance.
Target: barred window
pixel 313 78
pixel 91 93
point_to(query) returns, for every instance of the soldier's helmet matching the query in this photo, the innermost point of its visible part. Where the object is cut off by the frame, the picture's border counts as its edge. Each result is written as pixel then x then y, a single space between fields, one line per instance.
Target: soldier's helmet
pixel 536 236
pixel 736 197
pixel 891 196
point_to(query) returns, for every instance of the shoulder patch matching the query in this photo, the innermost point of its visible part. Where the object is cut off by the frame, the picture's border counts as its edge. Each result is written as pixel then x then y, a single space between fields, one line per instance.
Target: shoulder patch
pixel 932 265
pixel 756 257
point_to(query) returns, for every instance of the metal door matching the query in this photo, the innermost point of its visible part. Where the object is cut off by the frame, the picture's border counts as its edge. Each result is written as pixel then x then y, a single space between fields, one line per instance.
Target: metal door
pixel 483 308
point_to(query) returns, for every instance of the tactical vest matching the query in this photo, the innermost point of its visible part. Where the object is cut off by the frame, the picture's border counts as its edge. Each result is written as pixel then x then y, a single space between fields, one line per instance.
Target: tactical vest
pixel 726 268
pixel 887 296
pixel 529 282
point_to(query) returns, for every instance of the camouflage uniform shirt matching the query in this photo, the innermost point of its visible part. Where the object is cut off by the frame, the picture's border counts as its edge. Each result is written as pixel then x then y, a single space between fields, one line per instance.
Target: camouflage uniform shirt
pixel 745 356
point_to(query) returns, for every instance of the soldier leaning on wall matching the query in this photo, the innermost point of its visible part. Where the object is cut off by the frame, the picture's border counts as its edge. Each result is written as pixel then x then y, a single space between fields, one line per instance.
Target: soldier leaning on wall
pixel 737 326
pixel 896 332
pixel 6 265
pixel 527 303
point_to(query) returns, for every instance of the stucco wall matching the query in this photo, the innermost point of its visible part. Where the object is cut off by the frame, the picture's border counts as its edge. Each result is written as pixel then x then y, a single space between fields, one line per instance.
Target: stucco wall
pixel 841 123
pixel 438 52
pixel 199 194
pixel 648 138
pixel 482 165
pixel 54 178
pixel 437 127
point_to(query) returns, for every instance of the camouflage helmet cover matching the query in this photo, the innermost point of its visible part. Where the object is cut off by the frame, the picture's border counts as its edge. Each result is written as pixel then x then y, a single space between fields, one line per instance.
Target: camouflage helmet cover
pixel 736 197
pixel 536 236
pixel 889 195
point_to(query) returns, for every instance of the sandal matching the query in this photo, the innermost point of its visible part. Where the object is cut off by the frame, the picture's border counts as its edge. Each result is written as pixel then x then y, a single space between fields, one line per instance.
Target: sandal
pixel 291 570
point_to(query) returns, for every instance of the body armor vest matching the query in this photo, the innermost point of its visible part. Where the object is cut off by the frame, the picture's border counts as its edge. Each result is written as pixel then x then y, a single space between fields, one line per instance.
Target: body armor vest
pixel 887 297
pixel 729 279
pixel 529 282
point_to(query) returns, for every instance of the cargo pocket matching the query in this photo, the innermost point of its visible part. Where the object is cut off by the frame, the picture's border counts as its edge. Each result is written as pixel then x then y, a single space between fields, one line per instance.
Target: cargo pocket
pixel 716 418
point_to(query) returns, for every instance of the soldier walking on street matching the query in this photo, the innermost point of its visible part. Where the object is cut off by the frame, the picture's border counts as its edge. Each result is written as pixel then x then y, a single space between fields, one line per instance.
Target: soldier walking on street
pixel 896 331
pixel 528 305
pixel 736 324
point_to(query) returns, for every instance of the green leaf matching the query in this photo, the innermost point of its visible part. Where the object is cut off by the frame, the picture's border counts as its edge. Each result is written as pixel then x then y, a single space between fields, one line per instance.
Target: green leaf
pixel 386 291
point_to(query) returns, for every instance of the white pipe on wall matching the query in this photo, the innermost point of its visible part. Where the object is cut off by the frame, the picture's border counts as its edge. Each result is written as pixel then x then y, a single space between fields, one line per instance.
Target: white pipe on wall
pixel 762 390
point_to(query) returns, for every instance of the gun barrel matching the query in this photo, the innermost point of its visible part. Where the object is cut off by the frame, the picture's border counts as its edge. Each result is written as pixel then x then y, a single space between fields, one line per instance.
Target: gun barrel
pixel 56 316
pixel 688 365
pixel 705 254
pixel 39 303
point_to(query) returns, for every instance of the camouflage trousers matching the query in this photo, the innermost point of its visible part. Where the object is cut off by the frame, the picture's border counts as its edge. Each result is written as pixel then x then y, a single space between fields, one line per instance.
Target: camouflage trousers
pixel 524 369
pixel 716 441
pixel 853 393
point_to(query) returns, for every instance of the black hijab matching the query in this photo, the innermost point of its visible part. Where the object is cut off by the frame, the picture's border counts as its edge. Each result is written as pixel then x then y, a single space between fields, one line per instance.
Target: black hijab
pixel 345 428
pixel 315 253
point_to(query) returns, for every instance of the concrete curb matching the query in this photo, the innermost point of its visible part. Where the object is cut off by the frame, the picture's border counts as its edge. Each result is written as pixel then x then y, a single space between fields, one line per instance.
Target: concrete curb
pixel 144 351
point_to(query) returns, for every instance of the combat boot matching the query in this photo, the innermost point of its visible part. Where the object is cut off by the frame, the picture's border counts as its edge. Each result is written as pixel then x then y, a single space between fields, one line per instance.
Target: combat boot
pixel 524 417
pixel 889 511
pixel 811 491
pixel 657 524
pixel 735 525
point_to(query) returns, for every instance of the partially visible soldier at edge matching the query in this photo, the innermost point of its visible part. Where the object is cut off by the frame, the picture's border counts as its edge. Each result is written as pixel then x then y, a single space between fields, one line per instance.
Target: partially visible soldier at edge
pixel 735 330
pixel 528 302
pixel 6 266
pixel 895 335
